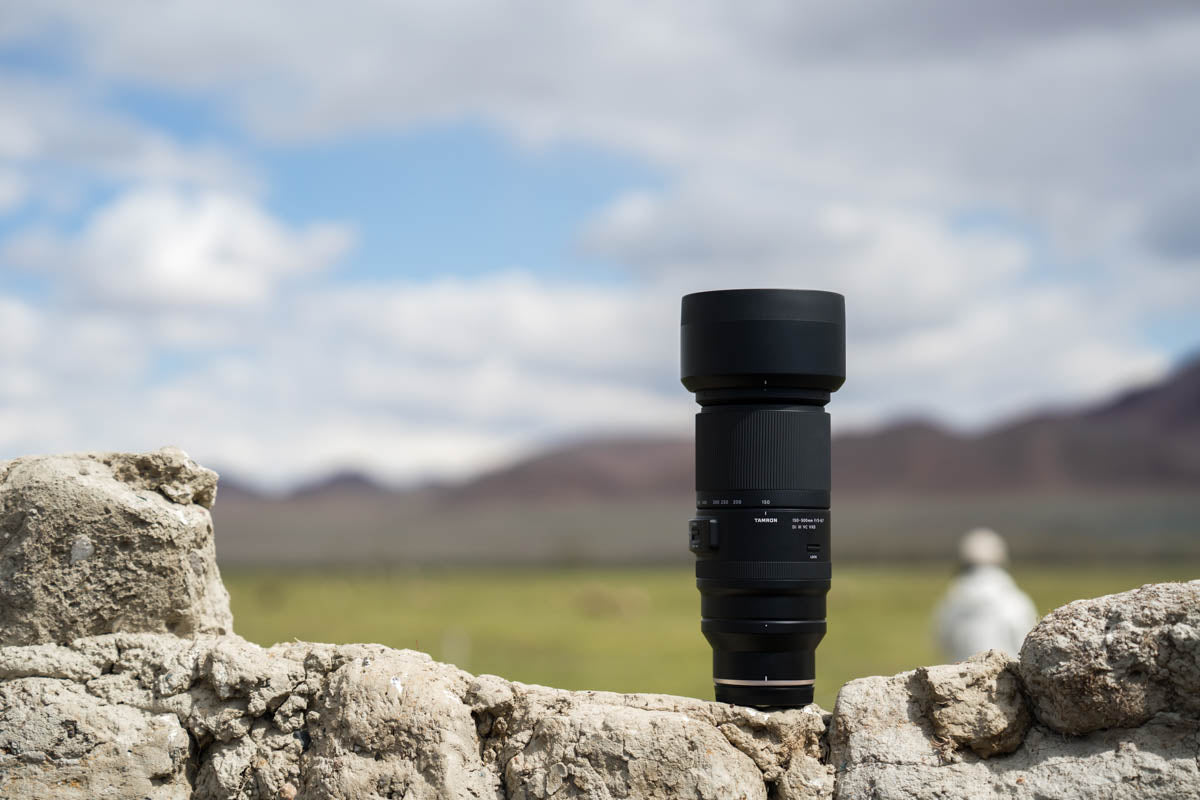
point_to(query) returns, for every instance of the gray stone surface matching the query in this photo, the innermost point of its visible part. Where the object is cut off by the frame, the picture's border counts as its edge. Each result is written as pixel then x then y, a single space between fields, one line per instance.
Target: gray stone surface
pixel 1116 661
pixel 600 744
pixel 104 542
pixel 1155 760
pixel 121 678
pixel 977 703
pixel 218 717
pixel 924 734
pixel 884 743
pixel 58 740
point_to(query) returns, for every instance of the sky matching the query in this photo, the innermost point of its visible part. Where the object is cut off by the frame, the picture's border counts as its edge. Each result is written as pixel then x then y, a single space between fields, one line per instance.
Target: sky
pixel 423 239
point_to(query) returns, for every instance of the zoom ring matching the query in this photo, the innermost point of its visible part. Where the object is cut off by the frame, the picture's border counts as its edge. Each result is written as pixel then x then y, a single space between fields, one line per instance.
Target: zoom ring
pixel 743 450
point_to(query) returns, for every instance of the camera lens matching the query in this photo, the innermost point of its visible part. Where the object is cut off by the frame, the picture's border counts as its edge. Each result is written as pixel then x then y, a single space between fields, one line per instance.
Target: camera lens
pixel 762 364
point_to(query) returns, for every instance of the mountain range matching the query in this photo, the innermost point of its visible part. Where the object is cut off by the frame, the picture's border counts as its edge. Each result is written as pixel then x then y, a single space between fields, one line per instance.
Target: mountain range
pixel 1117 480
pixel 1143 439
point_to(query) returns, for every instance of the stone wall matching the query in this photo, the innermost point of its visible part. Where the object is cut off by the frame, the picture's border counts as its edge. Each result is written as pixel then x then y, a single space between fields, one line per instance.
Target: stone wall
pixel 120 676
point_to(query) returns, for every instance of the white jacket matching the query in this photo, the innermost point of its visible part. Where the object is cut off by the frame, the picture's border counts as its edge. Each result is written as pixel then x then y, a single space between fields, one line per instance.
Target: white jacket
pixel 982 610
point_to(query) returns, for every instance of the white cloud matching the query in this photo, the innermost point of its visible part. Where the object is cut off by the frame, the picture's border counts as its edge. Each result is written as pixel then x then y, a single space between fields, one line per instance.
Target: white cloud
pixel 371 378
pixel 165 246
pixel 836 145
pixel 561 327
pixel 999 356
pixel 899 269
pixel 13 190
pixel 326 380
pixel 60 141
pixel 1076 121
pixel 21 329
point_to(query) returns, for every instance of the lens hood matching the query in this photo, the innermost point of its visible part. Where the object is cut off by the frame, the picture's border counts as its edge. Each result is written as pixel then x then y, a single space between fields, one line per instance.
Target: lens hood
pixel 764 339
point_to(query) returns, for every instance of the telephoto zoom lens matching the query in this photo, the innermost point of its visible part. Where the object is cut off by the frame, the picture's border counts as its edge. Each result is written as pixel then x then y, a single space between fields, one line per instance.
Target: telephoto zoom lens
pixel 762 364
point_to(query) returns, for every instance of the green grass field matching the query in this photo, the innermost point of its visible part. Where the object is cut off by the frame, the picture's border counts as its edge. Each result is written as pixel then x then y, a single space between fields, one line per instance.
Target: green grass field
pixel 625 630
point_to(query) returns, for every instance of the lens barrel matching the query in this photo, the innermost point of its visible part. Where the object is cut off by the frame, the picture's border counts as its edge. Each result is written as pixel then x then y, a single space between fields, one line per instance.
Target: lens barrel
pixel 762 364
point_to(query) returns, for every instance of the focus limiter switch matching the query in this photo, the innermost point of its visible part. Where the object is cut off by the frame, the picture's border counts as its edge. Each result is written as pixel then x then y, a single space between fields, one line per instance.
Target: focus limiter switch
pixel 702 534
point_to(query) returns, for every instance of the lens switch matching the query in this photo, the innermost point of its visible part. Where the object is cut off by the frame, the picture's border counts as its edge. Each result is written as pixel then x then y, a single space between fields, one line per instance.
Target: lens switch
pixel 702 534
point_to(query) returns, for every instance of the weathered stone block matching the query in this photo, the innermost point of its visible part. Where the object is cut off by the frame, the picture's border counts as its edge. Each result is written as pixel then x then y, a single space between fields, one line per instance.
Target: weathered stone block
pixel 105 542
pixel 1116 661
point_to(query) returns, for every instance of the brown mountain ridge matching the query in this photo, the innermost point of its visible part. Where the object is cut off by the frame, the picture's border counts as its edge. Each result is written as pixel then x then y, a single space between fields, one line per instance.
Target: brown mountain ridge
pixel 1147 438
pixel 1115 480
pixel 1143 439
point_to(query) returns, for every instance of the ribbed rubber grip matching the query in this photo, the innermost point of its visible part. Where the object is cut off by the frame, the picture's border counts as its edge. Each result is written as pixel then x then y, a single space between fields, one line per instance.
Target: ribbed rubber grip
pixel 740 448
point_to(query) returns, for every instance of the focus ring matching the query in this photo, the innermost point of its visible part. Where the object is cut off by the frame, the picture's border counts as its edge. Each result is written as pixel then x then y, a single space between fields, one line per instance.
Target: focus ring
pixel 746 449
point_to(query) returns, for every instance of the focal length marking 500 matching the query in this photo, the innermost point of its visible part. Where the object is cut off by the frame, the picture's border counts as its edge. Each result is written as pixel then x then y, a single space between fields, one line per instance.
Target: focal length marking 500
pixel 762 363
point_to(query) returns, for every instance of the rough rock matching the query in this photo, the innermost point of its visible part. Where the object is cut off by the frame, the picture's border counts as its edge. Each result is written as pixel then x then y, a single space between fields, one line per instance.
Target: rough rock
pixel 218 717
pixel 978 703
pixel 105 542
pixel 121 678
pixel 1156 760
pixel 884 743
pixel 58 740
pixel 1116 661
pixel 601 744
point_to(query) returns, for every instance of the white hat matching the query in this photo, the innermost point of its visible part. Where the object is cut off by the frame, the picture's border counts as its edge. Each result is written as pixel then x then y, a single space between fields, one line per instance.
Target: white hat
pixel 982 547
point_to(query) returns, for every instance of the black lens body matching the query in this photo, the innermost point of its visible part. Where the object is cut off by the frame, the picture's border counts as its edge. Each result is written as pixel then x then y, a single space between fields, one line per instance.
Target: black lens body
pixel 762 363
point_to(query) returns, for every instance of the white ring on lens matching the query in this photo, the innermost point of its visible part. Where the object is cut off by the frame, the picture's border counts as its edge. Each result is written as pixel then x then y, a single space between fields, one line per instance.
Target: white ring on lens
pixel 733 682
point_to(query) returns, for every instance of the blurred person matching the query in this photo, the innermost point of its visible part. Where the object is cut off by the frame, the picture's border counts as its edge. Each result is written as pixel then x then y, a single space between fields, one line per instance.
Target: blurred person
pixel 983 608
